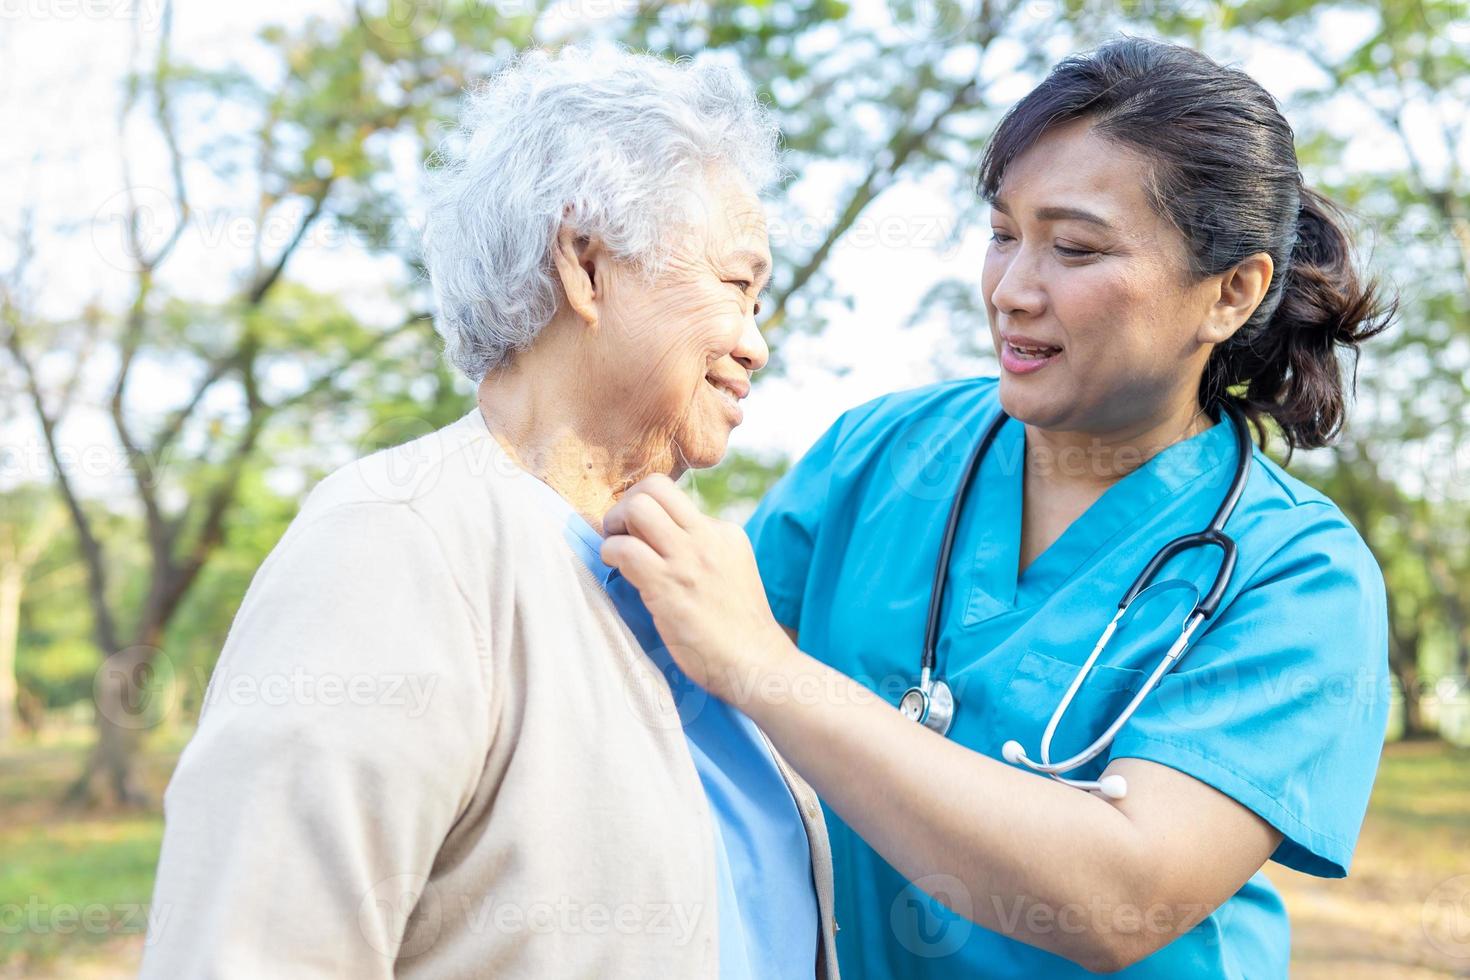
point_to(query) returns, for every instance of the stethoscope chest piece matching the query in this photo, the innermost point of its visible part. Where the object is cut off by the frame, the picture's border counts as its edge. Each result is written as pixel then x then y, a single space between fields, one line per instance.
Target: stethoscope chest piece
pixel 931 704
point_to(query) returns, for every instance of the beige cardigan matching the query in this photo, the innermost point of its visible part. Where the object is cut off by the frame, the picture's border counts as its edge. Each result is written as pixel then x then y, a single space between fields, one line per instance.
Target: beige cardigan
pixel 431 748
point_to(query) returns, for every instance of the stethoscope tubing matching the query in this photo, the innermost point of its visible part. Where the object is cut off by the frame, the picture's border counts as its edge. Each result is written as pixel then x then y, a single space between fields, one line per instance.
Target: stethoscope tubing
pixel 1212 536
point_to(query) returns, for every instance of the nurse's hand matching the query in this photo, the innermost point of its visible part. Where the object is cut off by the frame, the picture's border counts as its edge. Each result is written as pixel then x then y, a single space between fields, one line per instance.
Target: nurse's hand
pixel 698 578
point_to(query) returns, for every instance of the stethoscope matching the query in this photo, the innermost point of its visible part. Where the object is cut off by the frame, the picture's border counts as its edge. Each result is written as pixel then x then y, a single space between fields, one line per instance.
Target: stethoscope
pixel 932 703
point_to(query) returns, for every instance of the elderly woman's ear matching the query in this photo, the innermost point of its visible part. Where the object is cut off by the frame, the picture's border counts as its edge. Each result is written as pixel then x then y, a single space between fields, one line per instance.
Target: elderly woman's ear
pixel 576 258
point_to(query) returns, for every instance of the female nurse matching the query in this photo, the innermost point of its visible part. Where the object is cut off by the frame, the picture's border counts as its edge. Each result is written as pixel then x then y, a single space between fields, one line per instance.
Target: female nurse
pixel 1155 257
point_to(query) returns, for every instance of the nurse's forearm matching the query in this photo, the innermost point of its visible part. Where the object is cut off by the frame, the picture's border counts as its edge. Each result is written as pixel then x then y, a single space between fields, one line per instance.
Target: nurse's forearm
pixel 1042 862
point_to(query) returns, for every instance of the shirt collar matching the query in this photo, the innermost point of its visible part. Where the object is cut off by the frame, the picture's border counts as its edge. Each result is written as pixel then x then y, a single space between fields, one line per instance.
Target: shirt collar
pixel 579 535
pixel 1202 463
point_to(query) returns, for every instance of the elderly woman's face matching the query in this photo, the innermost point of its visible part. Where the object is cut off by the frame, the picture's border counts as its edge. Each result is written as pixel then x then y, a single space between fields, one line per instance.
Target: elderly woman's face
pixel 675 358
pixel 1091 311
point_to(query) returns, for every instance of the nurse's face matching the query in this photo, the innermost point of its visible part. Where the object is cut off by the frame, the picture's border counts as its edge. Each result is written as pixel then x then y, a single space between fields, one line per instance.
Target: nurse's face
pixel 1092 313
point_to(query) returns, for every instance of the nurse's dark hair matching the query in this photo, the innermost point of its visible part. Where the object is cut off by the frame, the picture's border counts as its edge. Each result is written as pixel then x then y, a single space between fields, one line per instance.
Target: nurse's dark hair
pixel 1224 172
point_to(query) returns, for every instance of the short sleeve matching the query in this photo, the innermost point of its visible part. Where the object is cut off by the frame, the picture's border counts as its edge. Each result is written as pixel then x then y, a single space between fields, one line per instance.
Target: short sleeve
pixel 343 732
pixel 783 529
pixel 1282 704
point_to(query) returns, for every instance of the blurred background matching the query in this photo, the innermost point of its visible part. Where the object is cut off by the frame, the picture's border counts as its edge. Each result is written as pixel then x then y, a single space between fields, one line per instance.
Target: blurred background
pixel 210 297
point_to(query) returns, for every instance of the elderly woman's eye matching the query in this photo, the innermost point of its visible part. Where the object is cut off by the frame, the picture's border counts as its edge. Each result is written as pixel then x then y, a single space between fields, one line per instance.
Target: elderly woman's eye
pixel 1075 253
pixel 744 286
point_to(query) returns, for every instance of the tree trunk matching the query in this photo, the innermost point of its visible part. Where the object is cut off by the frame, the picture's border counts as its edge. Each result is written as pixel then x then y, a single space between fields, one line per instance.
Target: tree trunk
pixel 1406 669
pixel 111 773
pixel 12 582
pixel 125 697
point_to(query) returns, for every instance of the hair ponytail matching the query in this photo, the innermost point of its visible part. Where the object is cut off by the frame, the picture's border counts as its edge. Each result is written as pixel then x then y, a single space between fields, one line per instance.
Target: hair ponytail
pixel 1285 364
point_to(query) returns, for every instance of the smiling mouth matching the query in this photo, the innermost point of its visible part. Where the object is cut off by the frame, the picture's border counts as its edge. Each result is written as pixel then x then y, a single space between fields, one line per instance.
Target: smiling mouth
pixel 726 393
pixel 1033 353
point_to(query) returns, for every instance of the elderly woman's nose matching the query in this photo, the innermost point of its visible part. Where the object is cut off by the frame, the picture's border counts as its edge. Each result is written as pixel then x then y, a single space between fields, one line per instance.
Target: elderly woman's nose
pixel 751 350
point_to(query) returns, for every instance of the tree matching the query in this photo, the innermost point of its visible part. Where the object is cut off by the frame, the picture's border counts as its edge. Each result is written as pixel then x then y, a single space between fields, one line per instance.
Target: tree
pixel 314 161
pixel 29 525
pixel 1400 470
pixel 316 154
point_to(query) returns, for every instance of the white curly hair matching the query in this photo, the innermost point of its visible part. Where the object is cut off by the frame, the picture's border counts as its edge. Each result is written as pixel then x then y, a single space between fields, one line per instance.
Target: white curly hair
pixel 602 138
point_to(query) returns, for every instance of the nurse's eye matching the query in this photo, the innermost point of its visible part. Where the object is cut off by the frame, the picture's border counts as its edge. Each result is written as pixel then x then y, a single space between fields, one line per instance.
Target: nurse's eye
pixel 999 237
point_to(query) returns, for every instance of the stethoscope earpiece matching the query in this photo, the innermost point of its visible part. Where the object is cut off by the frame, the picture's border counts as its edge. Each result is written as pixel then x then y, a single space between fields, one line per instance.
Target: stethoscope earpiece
pixel 1114 787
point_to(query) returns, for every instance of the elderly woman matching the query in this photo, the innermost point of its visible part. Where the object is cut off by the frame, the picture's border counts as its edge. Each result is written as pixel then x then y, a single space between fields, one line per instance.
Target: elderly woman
pixel 474 764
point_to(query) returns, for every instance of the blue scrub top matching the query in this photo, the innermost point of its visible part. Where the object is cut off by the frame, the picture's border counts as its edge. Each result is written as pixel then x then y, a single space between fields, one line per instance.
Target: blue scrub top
pixel 766 899
pixel 1280 703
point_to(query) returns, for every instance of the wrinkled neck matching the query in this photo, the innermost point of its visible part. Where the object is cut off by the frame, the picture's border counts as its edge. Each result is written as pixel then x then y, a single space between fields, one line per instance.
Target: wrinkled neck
pixel 550 427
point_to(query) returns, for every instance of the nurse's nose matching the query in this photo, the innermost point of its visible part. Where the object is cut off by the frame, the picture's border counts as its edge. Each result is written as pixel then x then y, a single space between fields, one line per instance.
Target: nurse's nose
pixel 1020 290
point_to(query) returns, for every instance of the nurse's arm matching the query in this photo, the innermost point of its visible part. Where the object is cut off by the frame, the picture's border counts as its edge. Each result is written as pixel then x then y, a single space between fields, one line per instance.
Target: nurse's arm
pixel 1099 882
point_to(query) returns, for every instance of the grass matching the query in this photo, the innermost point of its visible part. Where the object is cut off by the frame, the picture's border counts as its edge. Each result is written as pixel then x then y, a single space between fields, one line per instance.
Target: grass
pixel 1404 912
pixel 74 885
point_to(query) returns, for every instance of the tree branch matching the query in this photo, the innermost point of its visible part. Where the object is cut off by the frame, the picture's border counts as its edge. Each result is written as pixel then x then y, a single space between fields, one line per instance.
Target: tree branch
pixel 159 532
pixel 104 627
pixel 267 279
pixel 175 586
pixel 218 368
pixel 901 146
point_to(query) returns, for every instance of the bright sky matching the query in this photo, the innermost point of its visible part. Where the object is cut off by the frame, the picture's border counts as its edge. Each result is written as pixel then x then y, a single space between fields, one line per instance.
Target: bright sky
pixel 60 65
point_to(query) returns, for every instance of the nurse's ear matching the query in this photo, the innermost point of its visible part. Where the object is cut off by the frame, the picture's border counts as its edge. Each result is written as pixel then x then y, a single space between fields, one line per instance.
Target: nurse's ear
pixel 1240 290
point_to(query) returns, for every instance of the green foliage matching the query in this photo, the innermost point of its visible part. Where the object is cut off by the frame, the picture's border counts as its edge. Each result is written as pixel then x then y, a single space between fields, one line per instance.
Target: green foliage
pixel 56 667
pixel 731 489
pixel 1401 472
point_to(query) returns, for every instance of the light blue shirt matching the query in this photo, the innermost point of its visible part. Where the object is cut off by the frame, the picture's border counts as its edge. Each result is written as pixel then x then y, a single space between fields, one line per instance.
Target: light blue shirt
pixel 1281 703
pixel 766 898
